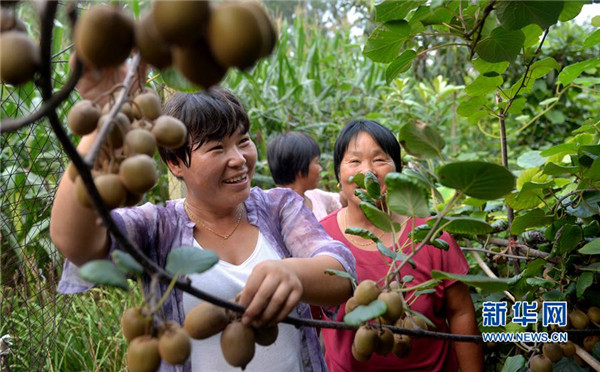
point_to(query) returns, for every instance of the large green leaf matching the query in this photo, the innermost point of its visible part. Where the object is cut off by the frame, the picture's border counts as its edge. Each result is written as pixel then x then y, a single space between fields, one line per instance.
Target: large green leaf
pixel 516 14
pixel 470 105
pixel 566 239
pixel 464 225
pixel 372 186
pixel 523 200
pixel 421 140
pixel 190 260
pixel 532 35
pixel 173 78
pixel 103 272
pixel 483 85
pixel 533 218
pixel 484 66
pixel 477 179
pixel 592 247
pixel 363 233
pixel 385 41
pixel 405 196
pixel 399 65
pixel 363 313
pixel 479 281
pixel 501 45
pixel 543 67
pixel 378 218
pixel 569 73
pixel 583 282
pixel 392 10
pixel 571 9
pixel 341 274
pixel 591 40
pixel 126 263
pixel 514 363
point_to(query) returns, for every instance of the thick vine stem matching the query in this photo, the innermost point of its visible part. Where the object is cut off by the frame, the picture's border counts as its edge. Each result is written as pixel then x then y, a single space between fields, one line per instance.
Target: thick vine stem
pixel 587 357
pixel 527 251
pixel 486 269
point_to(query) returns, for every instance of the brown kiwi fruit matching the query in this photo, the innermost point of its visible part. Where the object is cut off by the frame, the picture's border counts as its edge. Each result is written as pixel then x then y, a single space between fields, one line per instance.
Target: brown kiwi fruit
pixel 237 344
pixel 205 320
pixel 351 304
pixel 174 344
pixel 138 173
pixel 111 190
pixel 149 105
pixel 152 47
pixel 540 363
pixel 268 31
pixel 412 322
pixel 83 117
pixel 234 35
pixel 358 356
pixel 552 351
pixel 125 109
pixel 568 349
pixel 385 345
pixel 120 127
pixel 402 346
pixel 394 305
pixel 19 57
pixel 197 64
pixel 180 22
pixel 589 342
pixel 366 340
pixel 594 314
pixel 104 36
pixel 139 141
pixel 579 319
pixel 169 132
pixel 135 323
pixel 266 335
pixel 8 21
pixel 142 354
pixel 366 292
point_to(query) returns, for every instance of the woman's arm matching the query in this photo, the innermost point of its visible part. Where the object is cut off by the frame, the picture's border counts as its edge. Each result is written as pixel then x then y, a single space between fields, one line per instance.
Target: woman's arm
pixel 462 320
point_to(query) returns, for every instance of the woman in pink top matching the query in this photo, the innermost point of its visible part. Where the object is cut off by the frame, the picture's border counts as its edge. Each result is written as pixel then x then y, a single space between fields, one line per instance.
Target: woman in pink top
pixel 367 146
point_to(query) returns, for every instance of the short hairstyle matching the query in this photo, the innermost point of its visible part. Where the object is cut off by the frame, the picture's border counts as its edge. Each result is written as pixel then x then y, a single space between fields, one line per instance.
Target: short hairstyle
pixel 382 135
pixel 290 153
pixel 208 115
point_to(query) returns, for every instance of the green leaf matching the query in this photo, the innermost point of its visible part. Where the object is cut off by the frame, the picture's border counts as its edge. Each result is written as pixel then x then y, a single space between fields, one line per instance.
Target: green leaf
pixel 437 16
pixel 484 66
pixel 479 281
pixel 591 229
pixel 363 196
pixel 470 106
pixel 591 40
pixel 399 65
pixel 543 67
pixel 405 196
pixel 464 225
pixel 386 251
pixel 391 10
pixel 592 247
pixel 440 244
pixel 501 45
pixel 378 218
pixel 385 42
pixel 533 218
pixel 126 263
pixel 477 179
pixel 514 363
pixel 571 9
pixel 531 159
pixel 566 239
pixel 571 72
pixel 553 169
pixel 358 179
pixel 595 20
pixel 372 186
pixel 173 78
pixel 583 282
pixel 363 233
pixel 516 14
pixel 523 200
pixel 363 313
pixel 483 85
pixel 190 260
pixel 532 35
pixel 103 272
pixel 339 273
pixel 421 140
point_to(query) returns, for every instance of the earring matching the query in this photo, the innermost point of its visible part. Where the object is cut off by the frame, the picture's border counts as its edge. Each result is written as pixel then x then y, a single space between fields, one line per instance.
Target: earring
pixel 339 186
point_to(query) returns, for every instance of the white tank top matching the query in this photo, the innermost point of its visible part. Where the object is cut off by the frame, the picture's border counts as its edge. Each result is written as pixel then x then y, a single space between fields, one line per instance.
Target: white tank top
pixel 226 280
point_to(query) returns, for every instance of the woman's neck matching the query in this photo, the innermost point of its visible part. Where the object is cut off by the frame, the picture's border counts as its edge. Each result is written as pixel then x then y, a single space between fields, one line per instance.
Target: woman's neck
pixel 212 214
pixel 356 217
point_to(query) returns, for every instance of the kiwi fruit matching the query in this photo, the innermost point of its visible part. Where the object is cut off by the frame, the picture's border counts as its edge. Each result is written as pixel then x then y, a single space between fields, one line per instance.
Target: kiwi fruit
pixel 268 31
pixel 413 322
pixel 138 173
pixel 104 36
pixel 395 286
pixel 8 21
pixel 169 132
pixel 568 349
pixel 132 199
pixel 111 190
pixel 197 64
pixel 589 342
pixel 539 363
pixel 83 117
pixel 120 127
pixel 19 57
pixel 139 141
pixel 593 314
pixel 578 319
pixel 135 323
pixel 402 346
pixel 351 304
pixel 234 35
pixel 366 340
pixel 152 47
pixel 142 354
pixel 205 320
pixel 394 305
pixel 125 109
pixel 237 344
pixel 358 356
pixel 81 193
pixel 180 22
pixel 174 345
pixel 366 292
pixel 149 105
pixel 580 362
pixel 266 335
pixel 552 352
pixel 385 345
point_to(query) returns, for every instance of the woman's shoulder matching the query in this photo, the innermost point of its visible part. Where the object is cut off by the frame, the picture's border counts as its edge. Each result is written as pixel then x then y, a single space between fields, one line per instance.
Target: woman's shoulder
pixel 171 210
pixel 272 197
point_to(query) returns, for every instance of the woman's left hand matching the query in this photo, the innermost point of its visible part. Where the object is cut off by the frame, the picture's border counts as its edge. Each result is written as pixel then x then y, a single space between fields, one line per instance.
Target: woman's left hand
pixel 271 293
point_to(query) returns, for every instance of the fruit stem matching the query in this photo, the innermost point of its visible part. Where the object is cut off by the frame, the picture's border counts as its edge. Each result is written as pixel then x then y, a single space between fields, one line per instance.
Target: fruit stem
pixel 166 294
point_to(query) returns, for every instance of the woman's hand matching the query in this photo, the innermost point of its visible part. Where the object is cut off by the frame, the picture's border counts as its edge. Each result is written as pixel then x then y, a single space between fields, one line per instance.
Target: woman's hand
pixel 271 293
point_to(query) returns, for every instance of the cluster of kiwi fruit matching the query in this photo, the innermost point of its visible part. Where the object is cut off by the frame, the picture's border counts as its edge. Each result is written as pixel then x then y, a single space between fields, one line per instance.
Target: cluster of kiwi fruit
pixel 19 54
pixel 125 169
pixel 201 40
pixel 379 340
pixel 148 344
pixel 237 339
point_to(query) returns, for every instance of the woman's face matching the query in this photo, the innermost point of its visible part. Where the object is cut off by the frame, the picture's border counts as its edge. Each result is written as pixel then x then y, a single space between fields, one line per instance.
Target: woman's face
pixel 363 155
pixel 312 178
pixel 221 171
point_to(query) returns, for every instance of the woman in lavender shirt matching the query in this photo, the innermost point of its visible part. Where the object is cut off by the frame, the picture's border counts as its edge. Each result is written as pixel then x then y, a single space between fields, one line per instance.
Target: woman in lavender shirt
pixel 271 247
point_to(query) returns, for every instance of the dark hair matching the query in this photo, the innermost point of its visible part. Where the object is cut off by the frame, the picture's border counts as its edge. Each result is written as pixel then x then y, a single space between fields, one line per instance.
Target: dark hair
pixel 290 153
pixel 382 135
pixel 208 115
